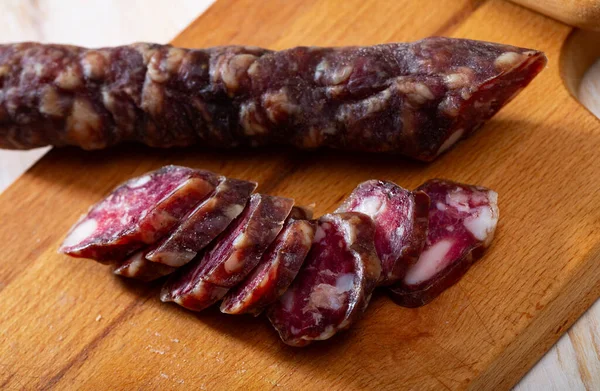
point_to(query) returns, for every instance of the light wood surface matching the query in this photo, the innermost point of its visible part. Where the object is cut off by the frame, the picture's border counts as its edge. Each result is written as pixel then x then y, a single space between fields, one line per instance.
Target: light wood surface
pixel 68 321
pixel 580 13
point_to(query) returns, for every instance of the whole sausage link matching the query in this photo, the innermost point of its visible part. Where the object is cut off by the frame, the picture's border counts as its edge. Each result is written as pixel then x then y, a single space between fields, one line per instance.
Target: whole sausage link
pixel 415 99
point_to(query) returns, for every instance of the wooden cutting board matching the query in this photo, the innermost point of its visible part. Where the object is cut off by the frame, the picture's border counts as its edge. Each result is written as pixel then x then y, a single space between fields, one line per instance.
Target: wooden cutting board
pixel 68 324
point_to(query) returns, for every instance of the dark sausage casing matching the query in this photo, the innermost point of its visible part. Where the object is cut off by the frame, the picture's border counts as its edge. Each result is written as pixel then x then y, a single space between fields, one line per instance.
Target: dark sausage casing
pixel 415 99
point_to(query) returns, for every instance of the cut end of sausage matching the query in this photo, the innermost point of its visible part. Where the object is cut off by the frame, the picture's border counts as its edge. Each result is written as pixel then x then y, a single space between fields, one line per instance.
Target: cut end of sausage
pixel 276 271
pixel 469 105
pixel 137 213
pixel 400 218
pixel 203 224
pixel 139 268
pixel 234 254
pixel 240 249
pixel 195 295
pixel 335 284
pixel 462 222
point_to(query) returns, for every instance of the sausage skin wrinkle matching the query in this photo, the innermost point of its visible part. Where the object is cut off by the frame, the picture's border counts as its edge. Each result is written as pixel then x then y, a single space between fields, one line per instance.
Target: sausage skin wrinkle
pixel 416 99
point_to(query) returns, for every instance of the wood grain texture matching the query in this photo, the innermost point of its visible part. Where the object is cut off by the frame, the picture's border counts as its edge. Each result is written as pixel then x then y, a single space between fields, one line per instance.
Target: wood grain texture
pixel 66 323
pixel 574 362
pixel 579 13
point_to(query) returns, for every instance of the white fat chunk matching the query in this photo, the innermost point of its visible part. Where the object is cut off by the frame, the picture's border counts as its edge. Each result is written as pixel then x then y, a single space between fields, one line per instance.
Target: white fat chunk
pixel 240 240
pixel 306 233
pixel 450 141
pixel 370 206
pixel 345 282
pixel 349 234
pixel 234 263
pixel 176 258
pixel 233 211
pixel 141 181
pixel 319 234
pixel 328 296
pixel 317 317
pixel 479 197
pixel 481 223
pixel 429 264
pixel 508 60
pixel 459 200
pixel 206 289
pixel 81 232
pixel 400 231
pixel 135 264
pixel 493 200
pixel 329 332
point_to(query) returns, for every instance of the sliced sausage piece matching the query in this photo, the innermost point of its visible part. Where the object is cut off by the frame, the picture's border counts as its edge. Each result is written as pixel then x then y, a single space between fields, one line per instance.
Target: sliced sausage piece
pixel 277 269
pixel 462 221
pixel 335 283
pixel 400 217
pixel 232 257
pixel 139 212
pixel 138 267
pixel 196 230
pixel 202 225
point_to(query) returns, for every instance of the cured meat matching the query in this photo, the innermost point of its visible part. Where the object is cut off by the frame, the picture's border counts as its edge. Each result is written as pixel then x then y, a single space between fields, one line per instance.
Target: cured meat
pixel 335 284
pixel 462 222
pixel 138 267
pixel 138 212
pixel 260 252
pixel 208 220
pixel 232 257
pixel 415 99
pixel 400 217
pixel 277 269
pixel 196 230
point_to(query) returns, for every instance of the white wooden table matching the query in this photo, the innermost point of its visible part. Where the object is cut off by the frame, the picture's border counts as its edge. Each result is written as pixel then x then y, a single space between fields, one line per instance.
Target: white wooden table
pixel 572 364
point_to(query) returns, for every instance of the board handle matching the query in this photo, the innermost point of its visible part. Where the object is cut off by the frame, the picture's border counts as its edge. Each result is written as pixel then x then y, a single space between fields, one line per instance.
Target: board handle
pixel 580 13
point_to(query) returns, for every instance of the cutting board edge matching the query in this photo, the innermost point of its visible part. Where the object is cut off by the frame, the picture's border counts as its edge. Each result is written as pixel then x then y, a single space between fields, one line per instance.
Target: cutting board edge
pixel 549 325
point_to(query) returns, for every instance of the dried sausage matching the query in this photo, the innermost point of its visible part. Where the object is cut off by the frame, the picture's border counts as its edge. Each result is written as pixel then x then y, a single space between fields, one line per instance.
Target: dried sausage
pixel 194 232
pixel 415 99
pixel 400 218
pixel 139 212
pixel 462 222
pixel 277 269
pixel 208 220
pixel 335 284
pixel 232 257
pixel 138 267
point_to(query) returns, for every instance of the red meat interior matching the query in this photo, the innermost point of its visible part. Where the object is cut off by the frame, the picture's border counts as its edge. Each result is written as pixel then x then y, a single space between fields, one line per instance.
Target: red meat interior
pixel 447 231
pixel 391 208
pixel 220 250
pixel 322 293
